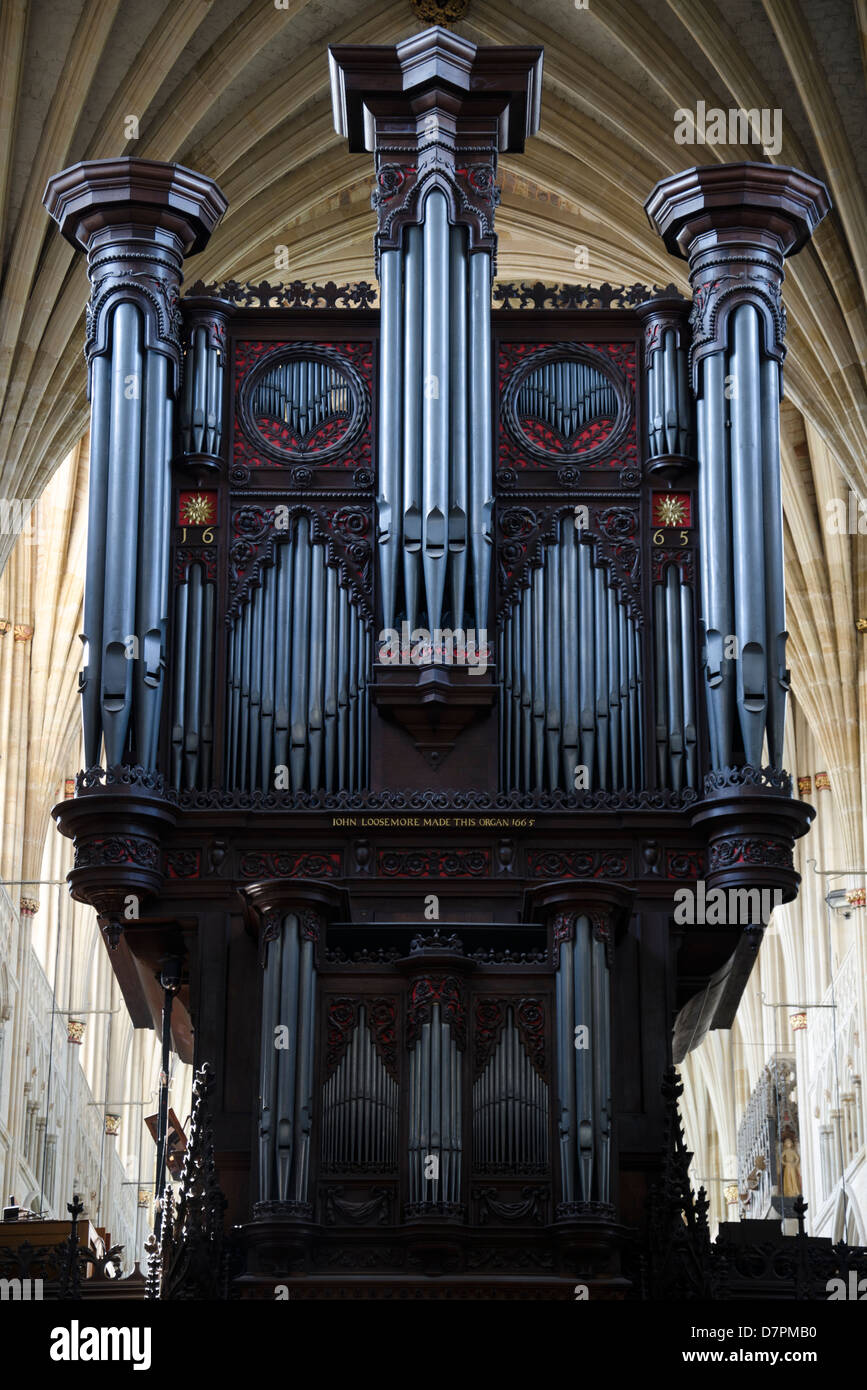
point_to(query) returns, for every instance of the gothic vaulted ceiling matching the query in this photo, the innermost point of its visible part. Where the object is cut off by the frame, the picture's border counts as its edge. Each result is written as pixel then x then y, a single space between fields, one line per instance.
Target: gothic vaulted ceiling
pixel 240 91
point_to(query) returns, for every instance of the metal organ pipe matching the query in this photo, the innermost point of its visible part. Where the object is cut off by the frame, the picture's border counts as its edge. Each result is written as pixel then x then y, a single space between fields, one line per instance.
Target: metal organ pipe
pixel 569 650
pixel 436 399
pixel 412 408
pixel 566 1054
pixel 716 534
pixel 775 596
pixel 459 401
pixel 747 522
pixel 121 549
pixel 90 680
pixel 481 438
pixel 391 366
pixel 150 624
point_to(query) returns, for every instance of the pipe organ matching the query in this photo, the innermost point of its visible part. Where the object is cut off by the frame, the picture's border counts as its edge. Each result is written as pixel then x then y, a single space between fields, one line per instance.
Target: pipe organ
pixel 467 600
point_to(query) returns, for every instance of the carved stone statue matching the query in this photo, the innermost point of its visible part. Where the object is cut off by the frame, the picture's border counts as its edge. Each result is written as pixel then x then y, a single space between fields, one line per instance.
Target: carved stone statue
pixel 790 1164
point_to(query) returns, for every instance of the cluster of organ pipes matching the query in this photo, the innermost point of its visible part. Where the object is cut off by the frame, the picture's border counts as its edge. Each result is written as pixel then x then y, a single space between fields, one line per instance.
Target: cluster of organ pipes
pixel 200 416
pixel 565 396
pixel 299 655
pixel 584 1066
pixel 435 446
pixel 360 1107
pixel 192 735
pixel 669 410
pixel 126 592
pixel 571 677
pixel 510 1108
pixel 286 1100
pixel 740 510
pixel 303 395
pixel 674 656
pixel 435 1113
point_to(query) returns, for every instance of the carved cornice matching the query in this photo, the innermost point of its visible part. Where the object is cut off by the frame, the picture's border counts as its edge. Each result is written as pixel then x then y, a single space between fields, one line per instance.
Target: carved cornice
pixel 735 224
pixel 137 219
pixel 435 110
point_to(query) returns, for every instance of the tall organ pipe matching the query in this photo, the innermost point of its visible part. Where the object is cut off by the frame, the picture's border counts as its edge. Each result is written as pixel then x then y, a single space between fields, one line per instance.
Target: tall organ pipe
pixel 458 397
pixel 566 1054
pixel 389 500
pixel 435 408
pixel 569 650
pixel 122 530
pixel 150 611
pixel 90 681
pixel 748 525
pixel 481 438
pixel 716 534
pixel 412 410
pixel 553 701
pixel 775 596
pixel 586 1090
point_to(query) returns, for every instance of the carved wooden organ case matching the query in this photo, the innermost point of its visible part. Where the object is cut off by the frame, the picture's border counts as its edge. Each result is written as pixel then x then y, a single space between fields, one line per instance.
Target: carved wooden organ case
pixel 430 709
